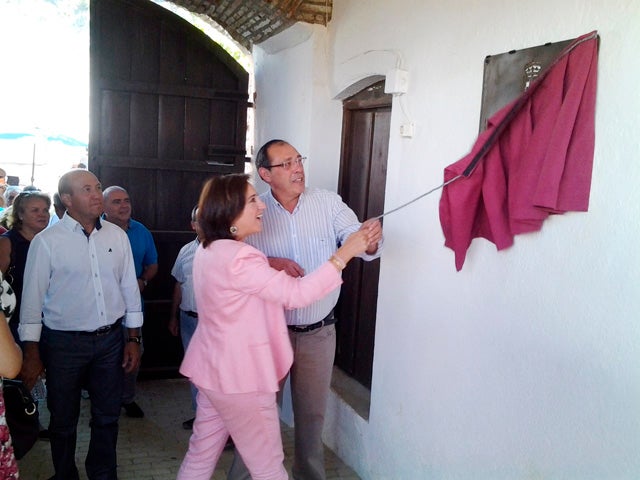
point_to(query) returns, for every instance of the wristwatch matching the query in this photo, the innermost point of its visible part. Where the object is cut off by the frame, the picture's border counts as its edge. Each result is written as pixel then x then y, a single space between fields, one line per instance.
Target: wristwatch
pixel 136 339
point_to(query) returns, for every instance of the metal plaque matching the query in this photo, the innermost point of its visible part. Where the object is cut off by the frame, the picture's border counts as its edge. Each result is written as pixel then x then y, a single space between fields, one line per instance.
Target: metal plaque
pixel 508 75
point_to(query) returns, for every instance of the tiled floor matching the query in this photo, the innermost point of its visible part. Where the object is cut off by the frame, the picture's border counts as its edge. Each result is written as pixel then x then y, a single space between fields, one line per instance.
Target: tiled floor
pixel 153 447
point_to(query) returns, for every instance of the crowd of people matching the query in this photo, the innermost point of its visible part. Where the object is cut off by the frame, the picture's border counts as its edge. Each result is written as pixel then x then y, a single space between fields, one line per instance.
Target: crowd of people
pixel 253 304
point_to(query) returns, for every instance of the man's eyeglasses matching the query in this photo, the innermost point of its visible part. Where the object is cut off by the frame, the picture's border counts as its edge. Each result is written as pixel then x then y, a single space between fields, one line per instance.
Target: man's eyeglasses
pixel 288 164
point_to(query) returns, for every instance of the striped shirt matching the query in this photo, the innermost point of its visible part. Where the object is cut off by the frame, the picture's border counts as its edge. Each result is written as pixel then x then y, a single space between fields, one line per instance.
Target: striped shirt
pixel 182 271
pixel 319 224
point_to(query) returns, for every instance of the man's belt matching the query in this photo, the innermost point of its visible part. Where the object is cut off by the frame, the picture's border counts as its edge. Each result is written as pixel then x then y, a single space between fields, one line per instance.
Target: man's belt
pixel 103 330
pixel 328 320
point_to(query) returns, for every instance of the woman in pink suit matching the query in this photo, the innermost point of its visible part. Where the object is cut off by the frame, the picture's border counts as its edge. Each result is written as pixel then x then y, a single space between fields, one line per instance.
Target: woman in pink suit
pixel 240 349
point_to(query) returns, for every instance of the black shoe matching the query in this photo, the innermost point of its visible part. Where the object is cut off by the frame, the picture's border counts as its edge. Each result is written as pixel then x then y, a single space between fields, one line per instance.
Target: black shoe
pixel 133 410
pixel 229 445
pixel 188 424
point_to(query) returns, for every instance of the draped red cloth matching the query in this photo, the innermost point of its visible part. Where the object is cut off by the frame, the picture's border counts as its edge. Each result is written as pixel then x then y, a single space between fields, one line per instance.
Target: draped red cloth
pixel 535 157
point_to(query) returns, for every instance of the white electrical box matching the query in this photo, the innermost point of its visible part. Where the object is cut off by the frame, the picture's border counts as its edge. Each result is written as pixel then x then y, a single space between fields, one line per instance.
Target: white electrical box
pixel 397 81
pixel 406 130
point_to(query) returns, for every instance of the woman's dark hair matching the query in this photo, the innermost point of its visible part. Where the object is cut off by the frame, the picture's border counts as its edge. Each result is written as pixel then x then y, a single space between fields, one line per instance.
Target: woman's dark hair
pixel 20 204
pixel 221 201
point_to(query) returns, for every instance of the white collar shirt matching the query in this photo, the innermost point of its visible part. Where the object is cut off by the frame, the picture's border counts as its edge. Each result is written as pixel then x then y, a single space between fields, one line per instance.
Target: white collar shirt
pixel 79 282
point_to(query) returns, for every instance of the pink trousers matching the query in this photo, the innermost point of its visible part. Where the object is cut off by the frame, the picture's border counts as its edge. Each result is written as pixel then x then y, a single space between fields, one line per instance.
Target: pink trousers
pixel 252 421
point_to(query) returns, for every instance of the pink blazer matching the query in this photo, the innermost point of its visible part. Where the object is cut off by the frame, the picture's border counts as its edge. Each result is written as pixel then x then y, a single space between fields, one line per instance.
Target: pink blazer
pixel 241 343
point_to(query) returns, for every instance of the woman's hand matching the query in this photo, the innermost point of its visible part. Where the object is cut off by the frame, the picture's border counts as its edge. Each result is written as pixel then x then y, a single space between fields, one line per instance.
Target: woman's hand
pixel 355 244
pixel 375 234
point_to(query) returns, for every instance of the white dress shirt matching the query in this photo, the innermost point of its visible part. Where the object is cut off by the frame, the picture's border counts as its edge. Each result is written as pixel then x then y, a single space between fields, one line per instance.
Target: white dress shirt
pixel 182 271
pixel 79 282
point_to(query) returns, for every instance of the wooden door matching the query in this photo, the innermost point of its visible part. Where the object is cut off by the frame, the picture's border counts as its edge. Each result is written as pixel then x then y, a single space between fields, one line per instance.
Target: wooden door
pixel 363 172
pixel 168 110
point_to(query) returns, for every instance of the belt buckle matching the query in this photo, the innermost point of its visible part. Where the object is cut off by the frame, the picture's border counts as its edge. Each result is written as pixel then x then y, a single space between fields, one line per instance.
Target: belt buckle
pixel 103 330
pixel 311 327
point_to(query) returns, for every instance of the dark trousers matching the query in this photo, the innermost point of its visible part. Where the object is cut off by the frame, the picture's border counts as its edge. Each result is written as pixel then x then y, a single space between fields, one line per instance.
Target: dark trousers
pixel 74 361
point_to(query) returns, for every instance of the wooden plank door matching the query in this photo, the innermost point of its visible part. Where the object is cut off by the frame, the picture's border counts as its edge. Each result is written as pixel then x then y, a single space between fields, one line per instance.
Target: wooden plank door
pixel 168 110
pixel 363 173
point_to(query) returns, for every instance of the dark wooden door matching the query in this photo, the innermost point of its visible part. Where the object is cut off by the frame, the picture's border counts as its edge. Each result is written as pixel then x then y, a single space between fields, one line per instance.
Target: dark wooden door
pixel 363 173
pixel 168 110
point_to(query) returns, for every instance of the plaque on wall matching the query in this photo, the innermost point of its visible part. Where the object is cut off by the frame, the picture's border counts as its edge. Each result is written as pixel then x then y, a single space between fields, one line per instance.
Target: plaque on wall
pixel 508 75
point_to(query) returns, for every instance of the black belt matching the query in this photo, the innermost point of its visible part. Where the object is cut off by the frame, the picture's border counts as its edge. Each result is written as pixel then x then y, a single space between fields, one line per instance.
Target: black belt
pixel 103 330
pixel 328 320
pixel 191 314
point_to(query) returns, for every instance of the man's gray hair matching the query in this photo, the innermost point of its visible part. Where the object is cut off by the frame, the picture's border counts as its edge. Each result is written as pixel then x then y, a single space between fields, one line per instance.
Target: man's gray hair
pixel 113 188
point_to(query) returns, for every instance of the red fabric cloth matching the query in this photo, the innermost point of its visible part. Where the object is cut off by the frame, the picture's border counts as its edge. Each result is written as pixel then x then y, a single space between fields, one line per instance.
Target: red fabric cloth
pixel 539 163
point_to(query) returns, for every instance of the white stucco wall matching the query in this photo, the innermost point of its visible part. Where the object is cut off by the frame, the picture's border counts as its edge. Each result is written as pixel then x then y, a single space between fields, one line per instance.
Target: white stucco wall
pixel 294 100
pixel 526 364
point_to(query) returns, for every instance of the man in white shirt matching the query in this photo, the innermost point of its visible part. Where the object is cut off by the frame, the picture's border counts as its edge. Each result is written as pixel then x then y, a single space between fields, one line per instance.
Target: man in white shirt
pixel 81 288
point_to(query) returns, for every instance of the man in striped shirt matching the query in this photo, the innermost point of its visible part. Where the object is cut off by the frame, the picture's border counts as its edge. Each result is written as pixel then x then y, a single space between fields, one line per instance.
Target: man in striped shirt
pixel 302 227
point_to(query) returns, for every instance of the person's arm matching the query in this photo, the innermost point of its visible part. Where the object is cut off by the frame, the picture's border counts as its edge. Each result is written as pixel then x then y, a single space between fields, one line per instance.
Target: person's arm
pixel 356 244
pixel 250 273
pixel 174 324
pixel 345 223
pixel 149 262
pixel 37 270
pixel 10 354
pixel 32 367
pixel 5 254
pixel 147 275
pixel 286 265
pixel 133 315
pixel 375 233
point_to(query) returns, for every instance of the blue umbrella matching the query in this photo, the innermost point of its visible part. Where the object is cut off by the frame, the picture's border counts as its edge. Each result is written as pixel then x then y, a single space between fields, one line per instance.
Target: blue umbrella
pixel 70 141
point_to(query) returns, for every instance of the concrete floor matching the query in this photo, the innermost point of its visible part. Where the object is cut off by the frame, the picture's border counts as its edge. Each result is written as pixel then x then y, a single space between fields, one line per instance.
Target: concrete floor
pixel 153 447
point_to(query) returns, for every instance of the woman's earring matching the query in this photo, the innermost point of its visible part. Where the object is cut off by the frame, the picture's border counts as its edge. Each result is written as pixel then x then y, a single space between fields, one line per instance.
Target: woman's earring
pixel 233 229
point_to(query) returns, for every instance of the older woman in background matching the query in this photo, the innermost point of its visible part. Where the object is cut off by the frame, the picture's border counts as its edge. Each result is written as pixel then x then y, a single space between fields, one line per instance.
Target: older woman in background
pixel 241 350
pixel 29 216
pixel 10 194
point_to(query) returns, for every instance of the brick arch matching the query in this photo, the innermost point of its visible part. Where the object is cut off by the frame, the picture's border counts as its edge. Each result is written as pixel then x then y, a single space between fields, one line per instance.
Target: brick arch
pixel 253 21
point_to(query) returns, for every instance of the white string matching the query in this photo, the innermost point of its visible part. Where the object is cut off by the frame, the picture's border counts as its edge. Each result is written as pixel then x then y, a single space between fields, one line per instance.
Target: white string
pixel 418 198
